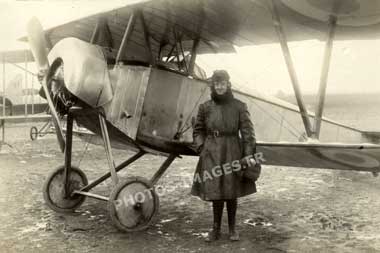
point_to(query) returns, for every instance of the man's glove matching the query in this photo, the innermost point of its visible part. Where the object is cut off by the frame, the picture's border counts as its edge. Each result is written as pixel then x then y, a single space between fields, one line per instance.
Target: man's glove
pixel 247 162
pixel 195 148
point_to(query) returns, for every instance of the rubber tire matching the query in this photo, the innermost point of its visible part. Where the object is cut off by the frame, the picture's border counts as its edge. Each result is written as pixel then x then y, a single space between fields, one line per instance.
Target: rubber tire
pixel 33 133
pixel 114 194
pixel 79 199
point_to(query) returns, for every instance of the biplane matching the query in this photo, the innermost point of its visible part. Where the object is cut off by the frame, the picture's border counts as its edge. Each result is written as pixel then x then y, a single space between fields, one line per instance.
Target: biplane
pixel 129 75
pixel 19 99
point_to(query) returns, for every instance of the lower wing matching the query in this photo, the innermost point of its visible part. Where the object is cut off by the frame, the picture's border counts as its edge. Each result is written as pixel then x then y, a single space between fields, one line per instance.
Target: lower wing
pixel 359 157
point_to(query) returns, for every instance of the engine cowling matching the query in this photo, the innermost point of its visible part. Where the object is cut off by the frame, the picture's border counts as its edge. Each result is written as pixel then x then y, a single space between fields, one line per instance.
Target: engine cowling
pixel 85 70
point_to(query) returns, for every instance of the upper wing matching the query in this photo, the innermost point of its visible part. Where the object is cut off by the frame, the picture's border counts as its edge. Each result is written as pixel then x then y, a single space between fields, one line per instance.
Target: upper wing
pixel 222 24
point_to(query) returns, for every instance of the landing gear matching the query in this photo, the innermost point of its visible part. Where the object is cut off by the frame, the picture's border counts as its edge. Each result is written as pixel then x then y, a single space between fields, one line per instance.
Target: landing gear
pixel 133 203
pixel 34 133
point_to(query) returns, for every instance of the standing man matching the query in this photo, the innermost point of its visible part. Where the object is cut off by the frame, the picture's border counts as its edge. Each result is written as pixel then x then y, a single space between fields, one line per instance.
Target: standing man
pixel 218 177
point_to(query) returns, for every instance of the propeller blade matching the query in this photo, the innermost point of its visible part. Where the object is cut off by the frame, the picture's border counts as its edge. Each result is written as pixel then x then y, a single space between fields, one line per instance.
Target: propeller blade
pixel 37 42
pixel 54 114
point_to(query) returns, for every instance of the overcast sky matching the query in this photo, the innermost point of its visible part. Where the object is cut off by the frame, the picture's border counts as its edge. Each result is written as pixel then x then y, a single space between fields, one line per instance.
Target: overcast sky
pixel 354 67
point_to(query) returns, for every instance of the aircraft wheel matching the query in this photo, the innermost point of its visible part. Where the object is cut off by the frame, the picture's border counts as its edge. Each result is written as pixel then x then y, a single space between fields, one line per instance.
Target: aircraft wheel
pixel 53 190
pixel 133 204
pixel 33 133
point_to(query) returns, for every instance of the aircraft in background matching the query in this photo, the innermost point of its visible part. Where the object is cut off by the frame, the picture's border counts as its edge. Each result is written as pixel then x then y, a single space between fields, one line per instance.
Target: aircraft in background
pixel 20 100
pixel 129 75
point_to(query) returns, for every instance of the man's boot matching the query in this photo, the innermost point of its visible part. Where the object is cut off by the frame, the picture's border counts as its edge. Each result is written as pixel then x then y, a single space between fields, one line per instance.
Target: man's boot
pixel 214 234
pixel 231 210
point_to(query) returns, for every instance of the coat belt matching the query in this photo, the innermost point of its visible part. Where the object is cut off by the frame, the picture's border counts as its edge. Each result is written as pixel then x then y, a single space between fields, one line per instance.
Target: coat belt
pixel 217 133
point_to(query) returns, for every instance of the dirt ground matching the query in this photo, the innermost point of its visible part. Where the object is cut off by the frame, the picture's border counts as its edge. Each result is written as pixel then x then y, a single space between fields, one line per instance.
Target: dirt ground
pixel 295 210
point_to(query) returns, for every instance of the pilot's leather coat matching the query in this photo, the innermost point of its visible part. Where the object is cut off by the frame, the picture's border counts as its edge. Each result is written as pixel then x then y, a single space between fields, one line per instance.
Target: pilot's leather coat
pixel 216 138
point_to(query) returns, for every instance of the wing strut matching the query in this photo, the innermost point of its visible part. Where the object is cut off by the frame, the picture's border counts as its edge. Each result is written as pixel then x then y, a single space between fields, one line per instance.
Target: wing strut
pixel 291 69
pixel 3 61
pixel 324 76
pixel 193 56
pixel 101 34
pixel 126 37
pixel 148 46
pixel 2 122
